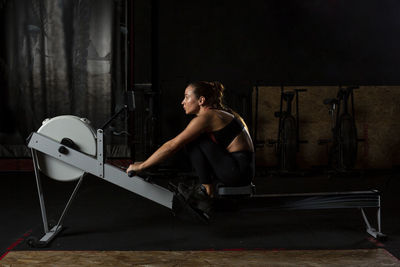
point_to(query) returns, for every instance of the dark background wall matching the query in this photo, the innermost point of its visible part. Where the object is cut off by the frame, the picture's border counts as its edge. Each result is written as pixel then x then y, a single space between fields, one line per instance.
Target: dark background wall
pixel 275 41
pixel 243 43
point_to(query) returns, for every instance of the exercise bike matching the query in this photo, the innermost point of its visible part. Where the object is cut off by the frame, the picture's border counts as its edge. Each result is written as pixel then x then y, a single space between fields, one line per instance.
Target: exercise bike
pixel 288 141
pixel 343 151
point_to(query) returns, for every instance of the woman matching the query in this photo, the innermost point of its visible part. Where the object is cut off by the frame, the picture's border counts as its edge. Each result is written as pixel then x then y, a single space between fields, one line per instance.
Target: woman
pixel 217 140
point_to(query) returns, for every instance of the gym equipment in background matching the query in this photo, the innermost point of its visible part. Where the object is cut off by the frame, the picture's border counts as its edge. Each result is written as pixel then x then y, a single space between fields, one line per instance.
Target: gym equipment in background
pixel 343 150
pixel 288 141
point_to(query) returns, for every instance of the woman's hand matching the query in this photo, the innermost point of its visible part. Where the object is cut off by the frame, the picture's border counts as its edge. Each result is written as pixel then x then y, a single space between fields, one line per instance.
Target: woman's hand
pixel 136 167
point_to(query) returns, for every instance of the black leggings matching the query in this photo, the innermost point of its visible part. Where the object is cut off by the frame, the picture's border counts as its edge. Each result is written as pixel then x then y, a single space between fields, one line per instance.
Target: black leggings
pixel 214 163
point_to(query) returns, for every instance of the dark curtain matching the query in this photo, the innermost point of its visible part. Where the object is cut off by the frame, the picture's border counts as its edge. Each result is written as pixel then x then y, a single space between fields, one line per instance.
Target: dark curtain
pixel 58 58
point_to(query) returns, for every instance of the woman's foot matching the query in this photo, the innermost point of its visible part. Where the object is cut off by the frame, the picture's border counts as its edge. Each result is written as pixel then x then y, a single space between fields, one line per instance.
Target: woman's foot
pixel 196 196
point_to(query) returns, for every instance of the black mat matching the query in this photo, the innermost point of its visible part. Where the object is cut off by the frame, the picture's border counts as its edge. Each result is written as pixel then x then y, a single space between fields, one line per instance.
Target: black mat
pixel 106 217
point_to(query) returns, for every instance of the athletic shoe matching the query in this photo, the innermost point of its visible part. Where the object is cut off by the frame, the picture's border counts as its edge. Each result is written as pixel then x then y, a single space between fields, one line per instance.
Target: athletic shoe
pixel 197 197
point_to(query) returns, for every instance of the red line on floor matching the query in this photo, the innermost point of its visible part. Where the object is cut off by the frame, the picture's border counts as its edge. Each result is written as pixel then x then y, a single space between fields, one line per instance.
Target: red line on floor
pixel 390 254
pixel 16 243
pixel 13 245
pixel 5 254
pixel 376 242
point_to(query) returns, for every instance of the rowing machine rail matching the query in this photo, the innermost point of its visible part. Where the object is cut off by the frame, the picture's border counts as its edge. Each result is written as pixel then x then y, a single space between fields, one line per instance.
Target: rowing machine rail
pixel 328 200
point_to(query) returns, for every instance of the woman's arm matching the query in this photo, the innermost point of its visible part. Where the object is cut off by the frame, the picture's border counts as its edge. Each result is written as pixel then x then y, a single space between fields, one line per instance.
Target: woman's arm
pixel 195 128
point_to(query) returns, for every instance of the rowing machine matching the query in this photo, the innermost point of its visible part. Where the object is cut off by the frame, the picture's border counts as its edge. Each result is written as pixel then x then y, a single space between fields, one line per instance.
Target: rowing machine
pixel 65 148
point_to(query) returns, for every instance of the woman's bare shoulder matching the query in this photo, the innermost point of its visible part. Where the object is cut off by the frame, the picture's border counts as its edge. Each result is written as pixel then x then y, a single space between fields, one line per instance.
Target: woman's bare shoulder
pixel 204 119
pixel 207 114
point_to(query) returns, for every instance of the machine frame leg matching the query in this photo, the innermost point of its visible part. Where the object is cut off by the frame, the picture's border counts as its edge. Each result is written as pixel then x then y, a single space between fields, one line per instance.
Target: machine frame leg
pixel 370 230
pixel 49 233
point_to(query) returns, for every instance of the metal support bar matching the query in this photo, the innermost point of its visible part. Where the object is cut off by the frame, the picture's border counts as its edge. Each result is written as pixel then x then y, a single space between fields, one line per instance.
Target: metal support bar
pixel 72 197
pixel 100 153
pixel 366 219
pixel 370 230
pixel 49 235
pixel 40 191
pixel 113 117
pixel 138 186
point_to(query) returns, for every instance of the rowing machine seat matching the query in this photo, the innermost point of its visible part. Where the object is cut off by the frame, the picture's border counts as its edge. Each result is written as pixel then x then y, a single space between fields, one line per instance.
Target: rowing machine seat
pixel 230 191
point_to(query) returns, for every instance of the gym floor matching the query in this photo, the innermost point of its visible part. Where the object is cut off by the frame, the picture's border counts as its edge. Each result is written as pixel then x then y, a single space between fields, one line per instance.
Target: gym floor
pixel 109 226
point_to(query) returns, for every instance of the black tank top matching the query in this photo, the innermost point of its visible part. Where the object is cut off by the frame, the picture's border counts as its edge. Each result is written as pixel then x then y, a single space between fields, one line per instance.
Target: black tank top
pixel 226 135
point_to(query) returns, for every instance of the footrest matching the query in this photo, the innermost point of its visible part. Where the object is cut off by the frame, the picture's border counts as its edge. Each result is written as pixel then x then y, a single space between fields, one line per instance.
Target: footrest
pixel 248 190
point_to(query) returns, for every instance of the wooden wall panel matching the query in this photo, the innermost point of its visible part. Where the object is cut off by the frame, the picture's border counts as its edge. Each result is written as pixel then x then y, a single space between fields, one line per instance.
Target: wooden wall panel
pixel 376 111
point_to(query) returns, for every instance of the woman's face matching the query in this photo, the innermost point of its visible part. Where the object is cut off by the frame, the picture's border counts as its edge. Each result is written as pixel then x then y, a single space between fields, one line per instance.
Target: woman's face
pixel 190 102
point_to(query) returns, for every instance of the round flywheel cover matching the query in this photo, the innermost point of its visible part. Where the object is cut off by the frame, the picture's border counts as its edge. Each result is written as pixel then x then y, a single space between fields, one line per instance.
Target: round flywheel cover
pixel 79 131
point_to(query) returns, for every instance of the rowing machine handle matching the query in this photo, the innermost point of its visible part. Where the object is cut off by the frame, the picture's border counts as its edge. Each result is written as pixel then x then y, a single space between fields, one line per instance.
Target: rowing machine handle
pixel 131 173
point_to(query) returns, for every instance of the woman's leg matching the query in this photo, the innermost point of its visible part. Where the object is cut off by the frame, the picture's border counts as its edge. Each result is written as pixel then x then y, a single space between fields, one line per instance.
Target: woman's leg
pixel 212 162
pixel 200 163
